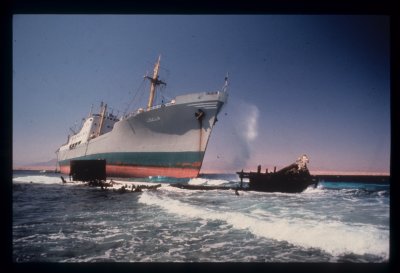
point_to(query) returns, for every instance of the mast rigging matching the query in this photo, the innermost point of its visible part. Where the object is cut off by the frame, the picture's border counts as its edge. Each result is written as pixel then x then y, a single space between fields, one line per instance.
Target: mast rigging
pixel 154 82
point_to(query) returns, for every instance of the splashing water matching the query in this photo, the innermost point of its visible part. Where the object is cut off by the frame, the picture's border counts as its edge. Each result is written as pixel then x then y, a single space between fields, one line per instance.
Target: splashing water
pixel 53 222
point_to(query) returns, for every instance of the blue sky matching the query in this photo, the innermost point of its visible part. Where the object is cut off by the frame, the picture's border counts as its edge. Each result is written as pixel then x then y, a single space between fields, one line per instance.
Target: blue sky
pixel 313 84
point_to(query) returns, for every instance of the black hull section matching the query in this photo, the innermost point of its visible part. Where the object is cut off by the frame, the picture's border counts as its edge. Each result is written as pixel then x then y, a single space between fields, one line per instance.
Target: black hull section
pixel 277 182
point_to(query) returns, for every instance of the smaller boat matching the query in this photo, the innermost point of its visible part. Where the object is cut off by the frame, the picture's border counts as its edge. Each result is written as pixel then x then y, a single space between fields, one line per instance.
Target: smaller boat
pixel 294 178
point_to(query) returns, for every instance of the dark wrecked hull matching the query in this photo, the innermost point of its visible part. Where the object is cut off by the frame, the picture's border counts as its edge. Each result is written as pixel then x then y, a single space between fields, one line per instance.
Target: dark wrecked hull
pixel 276 182
pixel 271 182
pixel 294 178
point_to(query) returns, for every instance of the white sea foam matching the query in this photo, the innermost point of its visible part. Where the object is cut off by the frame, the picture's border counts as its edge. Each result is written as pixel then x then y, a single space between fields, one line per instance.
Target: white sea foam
pixel 216 182
pixel 175 189
pixel 314 190
pixel 40 179
pixel 331 236
pixel 43 179
pixel 120 183
pixel 197 181
pixel 205 181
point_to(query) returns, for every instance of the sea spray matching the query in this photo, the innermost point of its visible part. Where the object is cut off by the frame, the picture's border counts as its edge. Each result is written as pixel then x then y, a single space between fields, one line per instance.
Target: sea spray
pixel 239 128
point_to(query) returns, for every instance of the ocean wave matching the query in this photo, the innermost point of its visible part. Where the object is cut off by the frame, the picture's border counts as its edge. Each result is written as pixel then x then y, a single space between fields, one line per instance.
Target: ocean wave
pixel 334 237
pixel 352 192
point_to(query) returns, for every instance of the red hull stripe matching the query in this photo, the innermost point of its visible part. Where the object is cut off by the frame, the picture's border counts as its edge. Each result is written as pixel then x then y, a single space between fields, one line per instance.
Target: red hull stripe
pixel 143 171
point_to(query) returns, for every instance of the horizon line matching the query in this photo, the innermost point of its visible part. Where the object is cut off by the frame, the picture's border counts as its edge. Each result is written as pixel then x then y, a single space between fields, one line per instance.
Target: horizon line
pixel 52 168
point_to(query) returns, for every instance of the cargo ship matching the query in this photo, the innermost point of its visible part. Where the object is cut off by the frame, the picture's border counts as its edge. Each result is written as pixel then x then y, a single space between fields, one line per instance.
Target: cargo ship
pixel 169 139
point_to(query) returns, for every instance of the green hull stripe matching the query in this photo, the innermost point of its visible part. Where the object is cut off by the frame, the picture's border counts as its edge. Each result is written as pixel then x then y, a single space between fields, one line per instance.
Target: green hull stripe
pixel 159 159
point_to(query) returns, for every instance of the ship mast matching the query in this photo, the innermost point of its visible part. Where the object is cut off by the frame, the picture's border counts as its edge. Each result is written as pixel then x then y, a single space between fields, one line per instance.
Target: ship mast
pixel 102 116
pixel 154 82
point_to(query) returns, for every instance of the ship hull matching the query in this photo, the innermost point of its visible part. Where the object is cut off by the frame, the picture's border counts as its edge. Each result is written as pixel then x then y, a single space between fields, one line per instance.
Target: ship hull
pixel 143 171
pixel 169 140
pixel 180 165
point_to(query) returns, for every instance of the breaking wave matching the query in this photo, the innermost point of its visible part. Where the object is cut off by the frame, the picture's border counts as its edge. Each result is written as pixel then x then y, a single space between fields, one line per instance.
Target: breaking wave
pixel 334 237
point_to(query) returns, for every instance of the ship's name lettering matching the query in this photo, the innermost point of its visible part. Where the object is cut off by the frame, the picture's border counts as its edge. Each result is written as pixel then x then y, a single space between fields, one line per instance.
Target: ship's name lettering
pixel 152 119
